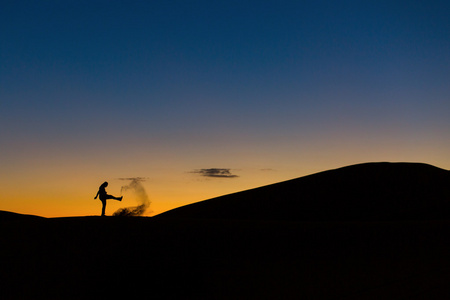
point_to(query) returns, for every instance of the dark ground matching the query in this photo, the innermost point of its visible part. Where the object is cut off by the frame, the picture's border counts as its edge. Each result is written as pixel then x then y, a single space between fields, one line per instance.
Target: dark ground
pixel 94 257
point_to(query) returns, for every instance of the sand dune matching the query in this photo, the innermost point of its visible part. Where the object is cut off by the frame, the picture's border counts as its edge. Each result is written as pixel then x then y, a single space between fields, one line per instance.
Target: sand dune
pixel 186 254
pixel 7 215
pixel 364 192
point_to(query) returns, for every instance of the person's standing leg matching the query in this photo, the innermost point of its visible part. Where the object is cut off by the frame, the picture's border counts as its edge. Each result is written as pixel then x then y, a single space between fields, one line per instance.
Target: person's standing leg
pixel 103 207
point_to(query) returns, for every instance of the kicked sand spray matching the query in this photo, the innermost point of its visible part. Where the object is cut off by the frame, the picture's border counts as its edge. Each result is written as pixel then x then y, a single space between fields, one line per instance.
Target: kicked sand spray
pixel 136 187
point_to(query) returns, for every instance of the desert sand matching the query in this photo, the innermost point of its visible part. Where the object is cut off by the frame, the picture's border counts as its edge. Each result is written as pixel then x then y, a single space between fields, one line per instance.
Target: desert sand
pixel 300 239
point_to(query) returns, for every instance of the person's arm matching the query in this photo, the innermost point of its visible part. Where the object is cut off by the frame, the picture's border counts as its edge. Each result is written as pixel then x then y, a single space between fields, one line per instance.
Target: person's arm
pixel 96 195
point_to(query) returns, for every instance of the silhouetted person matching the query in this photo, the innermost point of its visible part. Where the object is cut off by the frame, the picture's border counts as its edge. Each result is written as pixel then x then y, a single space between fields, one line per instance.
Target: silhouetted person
pixel 104 196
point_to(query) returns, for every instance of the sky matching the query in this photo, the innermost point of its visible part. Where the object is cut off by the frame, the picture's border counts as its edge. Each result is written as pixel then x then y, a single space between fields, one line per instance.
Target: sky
pixel 205 98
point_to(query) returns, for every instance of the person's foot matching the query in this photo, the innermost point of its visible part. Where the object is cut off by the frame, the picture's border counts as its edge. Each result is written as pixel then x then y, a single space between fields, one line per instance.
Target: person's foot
pixel 120 199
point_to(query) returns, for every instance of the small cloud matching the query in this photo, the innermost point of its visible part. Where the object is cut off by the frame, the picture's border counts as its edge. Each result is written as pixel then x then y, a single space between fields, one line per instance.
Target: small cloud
pixel 140 179
pixel 267 169
pixel 215 172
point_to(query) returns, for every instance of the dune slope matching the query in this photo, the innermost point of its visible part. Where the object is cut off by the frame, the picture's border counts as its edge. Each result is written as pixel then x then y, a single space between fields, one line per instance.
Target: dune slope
pixel 364 192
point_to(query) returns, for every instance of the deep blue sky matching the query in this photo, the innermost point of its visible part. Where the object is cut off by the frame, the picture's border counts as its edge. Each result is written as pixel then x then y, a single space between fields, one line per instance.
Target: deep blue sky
pixel 181 85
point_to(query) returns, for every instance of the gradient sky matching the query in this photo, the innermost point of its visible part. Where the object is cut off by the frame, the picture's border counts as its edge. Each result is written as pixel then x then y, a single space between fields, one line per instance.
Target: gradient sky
pixel 271 90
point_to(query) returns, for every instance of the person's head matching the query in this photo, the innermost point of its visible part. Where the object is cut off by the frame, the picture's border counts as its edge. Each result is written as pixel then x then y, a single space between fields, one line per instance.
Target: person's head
pixel 104 184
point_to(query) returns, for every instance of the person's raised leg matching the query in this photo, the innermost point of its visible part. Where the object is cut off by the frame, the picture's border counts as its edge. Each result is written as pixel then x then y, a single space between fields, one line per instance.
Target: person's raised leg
pixel 115 198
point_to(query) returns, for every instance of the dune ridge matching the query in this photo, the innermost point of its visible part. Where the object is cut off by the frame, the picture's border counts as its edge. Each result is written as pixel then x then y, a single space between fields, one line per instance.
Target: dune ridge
pixel 364 192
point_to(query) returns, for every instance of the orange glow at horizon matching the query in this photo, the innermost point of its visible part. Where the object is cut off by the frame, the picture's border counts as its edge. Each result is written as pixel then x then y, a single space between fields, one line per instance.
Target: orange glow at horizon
pixel 53 194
